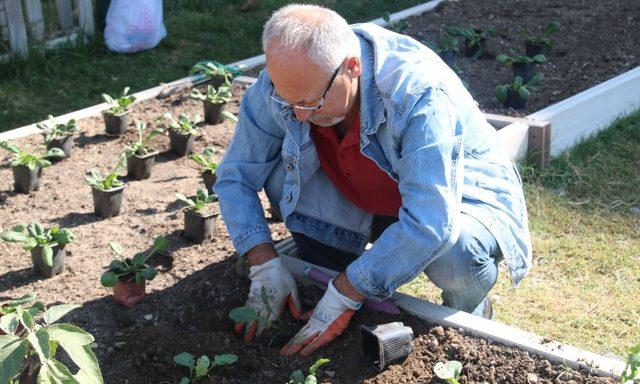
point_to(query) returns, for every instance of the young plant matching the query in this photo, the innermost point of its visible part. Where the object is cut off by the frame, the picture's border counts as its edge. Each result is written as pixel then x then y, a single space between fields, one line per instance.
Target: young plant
pixel 473 38
pixel 110 181
pixel 35 235
pixel 446 44
pixel 632 368
pixel 206 160
pixel 246 314
pixel 183 125
pixel 51 129
pixel 29 159
pixel 297 377
pixel 517 87
pixel 449 371
pixel 141 146
pixel 126 268
pixel 395 26
pixel 523 59
pixel 201 368
pixel 9 322
pixel 214 96
pixel 120 105
pixel 543 39
pixel 215 69
pixel 201 200
pixel 32 352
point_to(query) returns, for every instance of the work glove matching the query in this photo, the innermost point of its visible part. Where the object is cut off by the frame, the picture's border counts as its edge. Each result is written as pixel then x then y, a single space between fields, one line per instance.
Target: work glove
pixel 282 292
pixel 329 319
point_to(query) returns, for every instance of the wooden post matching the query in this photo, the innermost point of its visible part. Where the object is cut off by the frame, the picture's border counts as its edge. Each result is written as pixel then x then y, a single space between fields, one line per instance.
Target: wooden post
pixel 17 30
pixel 85 17
pixel 65 14
pixel 539 146
pixel 33 10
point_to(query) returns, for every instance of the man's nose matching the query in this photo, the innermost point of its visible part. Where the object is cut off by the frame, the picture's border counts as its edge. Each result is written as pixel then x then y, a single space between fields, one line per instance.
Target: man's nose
pixel 302 114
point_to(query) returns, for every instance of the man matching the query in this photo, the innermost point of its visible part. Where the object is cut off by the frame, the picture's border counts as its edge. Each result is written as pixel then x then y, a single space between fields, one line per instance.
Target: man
pixel 363 135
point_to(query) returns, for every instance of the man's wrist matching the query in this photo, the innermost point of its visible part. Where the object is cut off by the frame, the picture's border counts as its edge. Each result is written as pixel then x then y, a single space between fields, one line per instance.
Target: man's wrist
pixel 261 253
pixel 344 286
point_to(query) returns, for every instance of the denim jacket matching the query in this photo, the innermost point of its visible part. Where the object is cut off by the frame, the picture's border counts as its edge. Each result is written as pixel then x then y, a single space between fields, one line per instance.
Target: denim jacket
pixel 421 126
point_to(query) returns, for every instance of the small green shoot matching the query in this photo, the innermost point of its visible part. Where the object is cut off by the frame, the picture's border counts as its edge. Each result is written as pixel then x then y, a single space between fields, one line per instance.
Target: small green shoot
pixel 51 129
pixel 141 146
pixel 213 95
pixel 246 314
pixel 206 160
pixel 32 160
pixel 35 235
pixel 216 69
pixel 631 370
pixel 449 371
pixel 543 39
pixel 201 367
pixel 8 312
pixel 297 377
pixel 120 105
pixel 123 269
pixel 184 125
pixel 515 58
pixel 472 37
pixel 524 90
pixel 446 44
pixel 110 181
pixel 200 202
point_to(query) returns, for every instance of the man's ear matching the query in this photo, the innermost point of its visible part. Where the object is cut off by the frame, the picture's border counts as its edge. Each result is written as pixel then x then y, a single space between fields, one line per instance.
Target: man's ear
pixel 354 66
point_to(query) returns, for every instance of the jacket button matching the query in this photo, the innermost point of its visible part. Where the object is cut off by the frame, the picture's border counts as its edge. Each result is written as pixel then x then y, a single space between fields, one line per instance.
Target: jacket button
pixel 288 198
pixel 289 167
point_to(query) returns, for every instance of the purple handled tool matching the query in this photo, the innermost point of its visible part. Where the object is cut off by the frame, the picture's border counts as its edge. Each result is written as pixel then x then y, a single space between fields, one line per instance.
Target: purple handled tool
pixel 386 305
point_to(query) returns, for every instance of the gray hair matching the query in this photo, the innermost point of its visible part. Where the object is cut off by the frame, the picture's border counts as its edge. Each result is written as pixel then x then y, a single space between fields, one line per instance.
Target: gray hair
pixel 327 40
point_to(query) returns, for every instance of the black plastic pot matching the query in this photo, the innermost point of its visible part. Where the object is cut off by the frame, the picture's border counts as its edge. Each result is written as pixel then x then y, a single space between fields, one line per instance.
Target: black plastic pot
pixel 181 144
pixel 64 143
pixel 39 267
pixel 472 51
pixel 25 179
pixel 532 49
pixel 524 70
pixel 139 167
pixel 386 344
pixel 515 101
pixel 209 179
pixel 116 124
pixel 213 112
pixel 198 227
pixel 107 203
pixel 449 57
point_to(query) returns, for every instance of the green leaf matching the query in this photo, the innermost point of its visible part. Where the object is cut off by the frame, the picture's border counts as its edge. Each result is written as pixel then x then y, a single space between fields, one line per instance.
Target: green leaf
pixel 13 351
pixel 53 372
pixel 14 237
pixel 202 366
pixel 40 343
pixel 502 58
pixel 9 323
pixel 56 312
pixel 185 380
pixel 26 319
pixel 539 58
pixel 161 243
pixel 109 279
pixel 116 248
pixel 148 273
pixel 317 364
pixel 448 371
pixel 139 259
pixel 311 380
pixel 225 359
pixel 70 334
pixel 243 314
pixel 116 265
pixel 47 255
pixel 524 93
pixel 86 360
pixel 297 377
pixel 185 359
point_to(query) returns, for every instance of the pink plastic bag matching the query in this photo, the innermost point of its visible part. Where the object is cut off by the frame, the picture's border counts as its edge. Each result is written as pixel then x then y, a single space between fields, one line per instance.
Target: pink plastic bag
pixel 134 25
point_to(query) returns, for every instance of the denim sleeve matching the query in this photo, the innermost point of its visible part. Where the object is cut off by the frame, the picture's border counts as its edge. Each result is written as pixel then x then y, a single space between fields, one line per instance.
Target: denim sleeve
pixel 430 181
pixel 251 156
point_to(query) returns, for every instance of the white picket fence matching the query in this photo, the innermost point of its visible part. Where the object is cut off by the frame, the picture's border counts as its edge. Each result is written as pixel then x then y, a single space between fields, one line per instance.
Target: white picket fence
pixel 22 23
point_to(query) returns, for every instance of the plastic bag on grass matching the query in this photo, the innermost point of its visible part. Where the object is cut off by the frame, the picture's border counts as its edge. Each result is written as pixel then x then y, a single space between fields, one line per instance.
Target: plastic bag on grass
pixel 134 25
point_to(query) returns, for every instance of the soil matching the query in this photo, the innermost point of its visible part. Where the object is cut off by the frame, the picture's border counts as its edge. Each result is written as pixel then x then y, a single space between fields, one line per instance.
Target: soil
pixel 187 305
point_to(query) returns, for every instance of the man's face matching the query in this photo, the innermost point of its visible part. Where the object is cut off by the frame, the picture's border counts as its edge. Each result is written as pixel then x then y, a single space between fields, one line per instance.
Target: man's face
pixel 301 82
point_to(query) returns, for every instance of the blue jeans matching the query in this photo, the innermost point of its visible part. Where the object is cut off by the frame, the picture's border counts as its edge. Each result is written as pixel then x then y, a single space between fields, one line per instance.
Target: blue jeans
pixel 465 274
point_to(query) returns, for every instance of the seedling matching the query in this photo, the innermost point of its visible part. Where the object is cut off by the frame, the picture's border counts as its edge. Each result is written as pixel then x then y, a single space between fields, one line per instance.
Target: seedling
pixel 297 377
pixel 120 105
pixel 446 44
pixel 246 314
pixel 544 39
pixel 9 322
pixel 449 371
pixel 201 368
pixel 32 160
pixel 32 352
pixel 518 90
pixel 215 69
pixel 523 59
pixel 632 368
pixel 35 235
pixel 206 160
pixel 141 146
pixel 395 26
pixel 110 181
pixel 52 130
pixel 184 125
pixel 200 202
pixel 474 39
pixel 213 95
pixel 123 269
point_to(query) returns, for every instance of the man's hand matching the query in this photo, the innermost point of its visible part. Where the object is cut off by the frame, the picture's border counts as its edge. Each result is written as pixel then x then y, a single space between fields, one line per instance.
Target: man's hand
pixel 281 289
pixel 329 319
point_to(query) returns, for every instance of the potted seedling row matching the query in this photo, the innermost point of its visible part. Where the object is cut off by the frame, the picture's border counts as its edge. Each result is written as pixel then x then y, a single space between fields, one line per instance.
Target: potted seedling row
pixel 516 94
pixel 182 132
pixel 474 39
pixel 446 48
pixel 116 118
pixel 58 135
pixel 107 190
pixel 217 73
pixel 47 246
pixel 140 156
pixel 202 367
pixel 128 276
pixel 214 102
pixel 208 167
pixel 199 216
pixel 27 166
pixel 542 44
pixel 523 66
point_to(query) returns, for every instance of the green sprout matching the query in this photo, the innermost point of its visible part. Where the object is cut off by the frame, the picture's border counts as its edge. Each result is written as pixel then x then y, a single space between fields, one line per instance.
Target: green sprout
pixel 135 267
pixel 184 125
pixel 246 314
pixel 120 105
pixel 51 129
pixel 201 367
pixel 35 235
pixel 449 371
pixel 141 146
pixel 297 377
pixel 32 160
pixel 523 90
pixel 543 39
pixel 110 181
pixel 200 202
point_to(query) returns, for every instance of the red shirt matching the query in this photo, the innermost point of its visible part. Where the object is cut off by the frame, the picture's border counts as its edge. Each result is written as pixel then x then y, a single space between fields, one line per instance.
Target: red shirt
pixel 356 176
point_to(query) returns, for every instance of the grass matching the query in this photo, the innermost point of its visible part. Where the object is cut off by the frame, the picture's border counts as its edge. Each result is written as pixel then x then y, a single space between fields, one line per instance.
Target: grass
pixel 584 287
pixel 72 78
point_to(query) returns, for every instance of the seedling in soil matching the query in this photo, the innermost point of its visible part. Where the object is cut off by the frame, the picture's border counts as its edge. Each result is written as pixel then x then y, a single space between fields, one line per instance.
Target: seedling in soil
pixel 246 314
pixel 128 276
pixel 632 368
pixel 449 371
pixel 198 220
pixel 219 73
pixel 208 167
pixel 46 245
pixel 214 102
pixel 516 94
pixel 523 66
pixel 297 377
pixel 27 166
pixel 474 39
pixel 109 181
pixel 58 135
pixel 201 368
pixel 140 156
pixel 116 118
pixel 9 321
pixel 536 44
pixel 107 190
pixel 182 132
pixel 200 202
pixel 30 354
pixel 395 26
pixel 446 48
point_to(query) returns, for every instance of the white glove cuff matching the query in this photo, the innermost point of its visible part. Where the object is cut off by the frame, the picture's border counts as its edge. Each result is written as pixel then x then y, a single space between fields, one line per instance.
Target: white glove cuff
pixel 272 264
pixel 339 297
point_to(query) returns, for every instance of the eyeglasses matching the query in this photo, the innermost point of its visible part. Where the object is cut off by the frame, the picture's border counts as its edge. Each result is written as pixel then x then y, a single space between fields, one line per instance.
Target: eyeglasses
pixel 317 106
